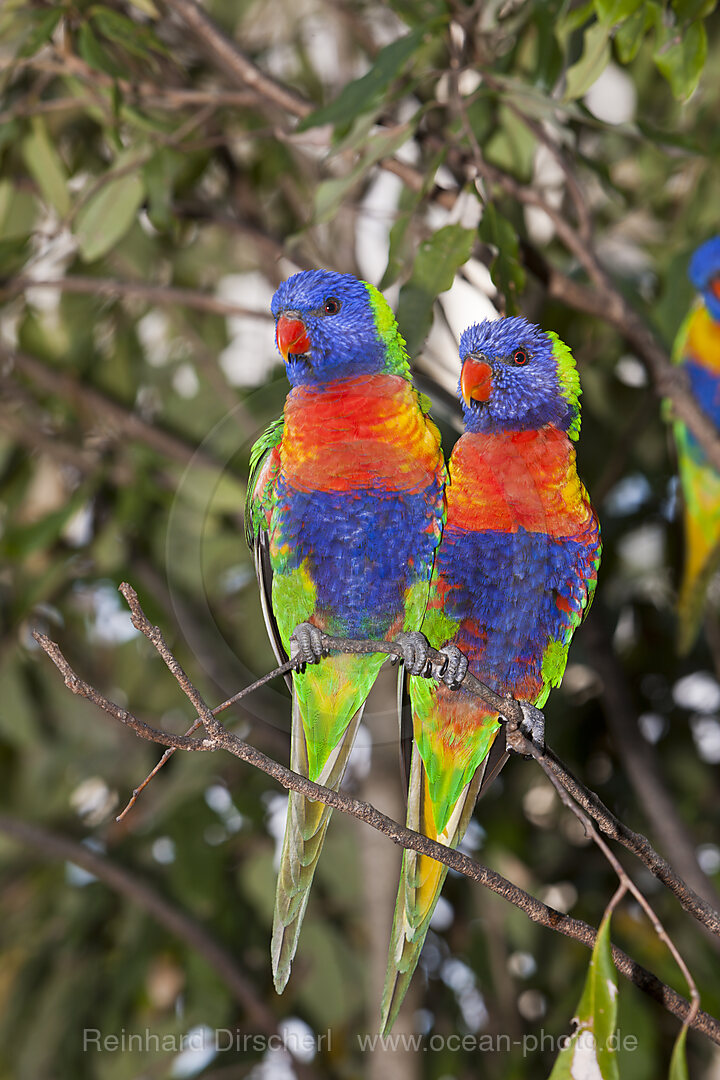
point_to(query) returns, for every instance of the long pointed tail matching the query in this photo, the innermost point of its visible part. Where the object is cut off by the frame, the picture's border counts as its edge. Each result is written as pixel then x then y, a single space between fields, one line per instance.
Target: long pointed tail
pixel 421 881
pixel 305 830
pixel 701 564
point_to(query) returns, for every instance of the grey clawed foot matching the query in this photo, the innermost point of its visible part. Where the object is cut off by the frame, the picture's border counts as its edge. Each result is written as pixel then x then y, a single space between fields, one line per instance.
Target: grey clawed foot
pixel 306 645
pixel 415 648
pixel 533 724
pixel 455 667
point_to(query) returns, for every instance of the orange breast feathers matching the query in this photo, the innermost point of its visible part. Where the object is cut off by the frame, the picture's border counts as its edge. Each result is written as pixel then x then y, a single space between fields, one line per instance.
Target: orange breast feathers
pixel 359 433
pixel 518 479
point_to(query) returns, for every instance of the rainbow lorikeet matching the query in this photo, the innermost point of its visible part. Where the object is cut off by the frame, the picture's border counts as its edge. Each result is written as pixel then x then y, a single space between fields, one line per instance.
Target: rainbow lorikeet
pixel 345 511
pixel 514 574
pixel 697 348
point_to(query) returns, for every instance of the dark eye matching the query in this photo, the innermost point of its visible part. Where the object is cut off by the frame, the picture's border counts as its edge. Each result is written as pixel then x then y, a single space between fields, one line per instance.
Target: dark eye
pixel 520 357
pixel 332 306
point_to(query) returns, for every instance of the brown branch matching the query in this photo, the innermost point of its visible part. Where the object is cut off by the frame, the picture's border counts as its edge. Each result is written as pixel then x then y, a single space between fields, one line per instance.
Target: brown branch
pixel 641 764
pixel 230 59
pixel 221 738
pixel 135 889
pixel 128 424
pixel 524 745
pixel 153 294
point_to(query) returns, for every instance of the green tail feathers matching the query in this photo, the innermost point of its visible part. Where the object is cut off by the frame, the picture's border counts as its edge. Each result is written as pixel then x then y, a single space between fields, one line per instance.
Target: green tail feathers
pixel 421 882
pixel 305 830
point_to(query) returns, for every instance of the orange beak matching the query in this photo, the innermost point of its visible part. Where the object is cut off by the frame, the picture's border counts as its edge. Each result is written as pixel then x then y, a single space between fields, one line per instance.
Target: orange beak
pixel 475 380
pixel 715 286
pixel 291 336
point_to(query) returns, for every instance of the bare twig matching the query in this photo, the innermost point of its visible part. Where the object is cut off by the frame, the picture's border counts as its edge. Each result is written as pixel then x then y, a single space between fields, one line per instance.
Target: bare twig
pixel 153 294
pixel 127 423
pixel 524 745
pixel 221 738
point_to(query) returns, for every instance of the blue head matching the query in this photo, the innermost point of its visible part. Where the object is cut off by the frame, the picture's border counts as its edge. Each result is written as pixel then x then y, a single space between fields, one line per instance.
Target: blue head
pixel 517 377
pixel 333 326
pixel 704 272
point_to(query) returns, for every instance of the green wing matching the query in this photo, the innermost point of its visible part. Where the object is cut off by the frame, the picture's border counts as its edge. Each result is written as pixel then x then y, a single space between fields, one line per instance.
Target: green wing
pixel 260 491
pixel 259 504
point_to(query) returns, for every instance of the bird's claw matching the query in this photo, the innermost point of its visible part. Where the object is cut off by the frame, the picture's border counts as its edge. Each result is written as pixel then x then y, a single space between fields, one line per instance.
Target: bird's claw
pixel 306 645
pixel 532 727
pixel 454 668
pixel 414 647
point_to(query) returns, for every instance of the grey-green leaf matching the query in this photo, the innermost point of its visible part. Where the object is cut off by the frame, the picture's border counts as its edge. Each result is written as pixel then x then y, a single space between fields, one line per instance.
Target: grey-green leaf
pixel 592 63
pixel 678 1061
pixel 358 96
pixel 433 272
pixel 108 215
pixel 46 167
pixel 506 270
pixel 681 58
pixel 591 1051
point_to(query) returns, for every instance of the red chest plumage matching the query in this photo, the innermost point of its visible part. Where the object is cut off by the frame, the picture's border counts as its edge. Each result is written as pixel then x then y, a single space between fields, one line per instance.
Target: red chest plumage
pixel 358 433
pixel 512 480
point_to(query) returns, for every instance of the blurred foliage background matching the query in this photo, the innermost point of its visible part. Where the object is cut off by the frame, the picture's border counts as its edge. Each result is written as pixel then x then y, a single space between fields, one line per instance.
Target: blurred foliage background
pixel 156 184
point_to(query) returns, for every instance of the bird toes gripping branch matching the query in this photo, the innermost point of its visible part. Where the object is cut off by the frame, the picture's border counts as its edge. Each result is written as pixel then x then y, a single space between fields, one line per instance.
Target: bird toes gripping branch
pixel 306 645
pixel 415 652
pixel 531 728
pixel 455 668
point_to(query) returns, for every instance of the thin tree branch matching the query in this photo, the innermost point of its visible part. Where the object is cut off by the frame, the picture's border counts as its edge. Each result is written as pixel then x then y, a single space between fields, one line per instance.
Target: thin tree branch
pixel 229 58
pixel 523 744
pixel 128 424
pixel 153 294
pixel 640 761
pixel 221 738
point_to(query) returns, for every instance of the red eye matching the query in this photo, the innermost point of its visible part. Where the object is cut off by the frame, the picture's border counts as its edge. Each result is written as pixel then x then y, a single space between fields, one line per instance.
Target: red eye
pixel 520 357
pixel 332 306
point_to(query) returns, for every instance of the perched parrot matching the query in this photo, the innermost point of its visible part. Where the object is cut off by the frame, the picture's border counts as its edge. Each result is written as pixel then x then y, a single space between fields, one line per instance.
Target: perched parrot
pixel 513 577
pixel 345 512
pixel 697 348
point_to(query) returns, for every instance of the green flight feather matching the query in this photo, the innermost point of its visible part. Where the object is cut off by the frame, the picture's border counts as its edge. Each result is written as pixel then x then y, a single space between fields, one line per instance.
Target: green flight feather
pixel 259 503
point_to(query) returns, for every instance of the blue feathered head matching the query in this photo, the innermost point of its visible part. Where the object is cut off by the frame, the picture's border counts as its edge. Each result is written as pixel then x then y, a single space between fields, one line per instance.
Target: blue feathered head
pixel 333 326
pixel 704 272
pixel 517 377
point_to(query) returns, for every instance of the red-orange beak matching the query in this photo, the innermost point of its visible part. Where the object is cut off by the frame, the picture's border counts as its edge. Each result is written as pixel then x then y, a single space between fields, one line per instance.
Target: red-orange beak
pixel 475 380
pixel 715 286
pixel 291 336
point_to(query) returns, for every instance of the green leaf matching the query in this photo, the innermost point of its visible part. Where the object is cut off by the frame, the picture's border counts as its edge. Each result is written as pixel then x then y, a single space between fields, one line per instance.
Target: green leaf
pixel 507 272
pixel 574 20
pixel 46 167
pixel 136 39
pixel 592 1048
pixel 681 58
pixel 41 32
pixel 331 193
pixel 159 174
pixel 359 96
pixel 689 10
pixel 615 11
pixel 18 212
pixel 513 145
pixel 629 37
pixel 595 58
pixel 95 54
pixel 678 1061
pixel 108 215
pixel 433 272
